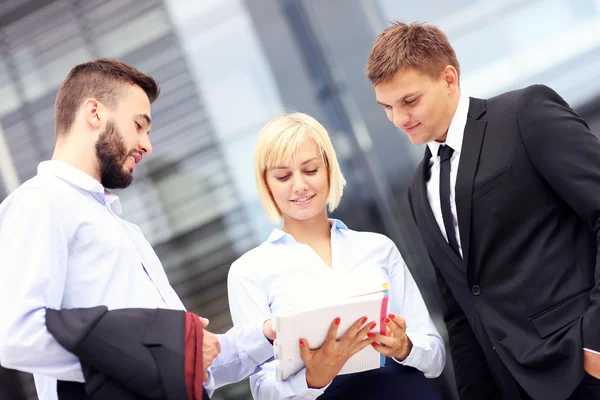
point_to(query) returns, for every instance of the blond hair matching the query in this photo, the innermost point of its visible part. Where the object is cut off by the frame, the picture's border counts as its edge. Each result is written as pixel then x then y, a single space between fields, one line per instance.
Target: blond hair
pixel 423 47
pixel 278 142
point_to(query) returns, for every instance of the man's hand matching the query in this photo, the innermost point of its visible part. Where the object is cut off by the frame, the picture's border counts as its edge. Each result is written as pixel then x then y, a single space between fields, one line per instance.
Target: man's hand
pixel 269 331
pixel 210 348
pixel 397 344
pixel 591 363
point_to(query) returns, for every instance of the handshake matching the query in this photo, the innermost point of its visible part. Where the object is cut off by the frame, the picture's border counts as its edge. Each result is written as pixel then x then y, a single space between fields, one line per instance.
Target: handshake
pixel 211 346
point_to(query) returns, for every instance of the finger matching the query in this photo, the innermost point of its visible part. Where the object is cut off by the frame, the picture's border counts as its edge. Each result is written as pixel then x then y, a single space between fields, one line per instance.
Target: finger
pixel 364 331
pixel 331 335
pixel 385 350
pixel 379 338
pixel 305 352
pixel 353 332
pixel 205 377
pixel 204 321
pixel 396 324
pixel 360 345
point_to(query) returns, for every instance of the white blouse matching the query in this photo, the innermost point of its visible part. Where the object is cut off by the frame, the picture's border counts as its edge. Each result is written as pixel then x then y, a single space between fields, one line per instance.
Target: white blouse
pixel 282 275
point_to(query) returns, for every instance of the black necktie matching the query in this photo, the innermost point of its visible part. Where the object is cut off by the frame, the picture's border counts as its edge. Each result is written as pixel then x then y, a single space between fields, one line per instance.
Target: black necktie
pixel 445 153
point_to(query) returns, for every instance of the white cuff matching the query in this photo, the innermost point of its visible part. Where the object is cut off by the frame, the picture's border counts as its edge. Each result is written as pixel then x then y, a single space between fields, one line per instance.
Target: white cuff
pixel 299 385
pixel 417 356
pixel 592 351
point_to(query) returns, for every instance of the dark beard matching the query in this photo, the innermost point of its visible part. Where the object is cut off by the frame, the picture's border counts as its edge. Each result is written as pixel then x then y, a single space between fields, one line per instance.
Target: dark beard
pixel 112 154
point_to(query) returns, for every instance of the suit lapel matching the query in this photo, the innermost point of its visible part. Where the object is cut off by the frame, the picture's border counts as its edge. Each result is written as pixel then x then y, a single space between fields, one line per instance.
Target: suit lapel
pixel 426 218
pixel 469 159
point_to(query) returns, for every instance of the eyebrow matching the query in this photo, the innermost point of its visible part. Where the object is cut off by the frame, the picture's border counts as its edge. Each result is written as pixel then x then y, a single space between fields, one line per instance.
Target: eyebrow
pixel 147 118
pixel 303 163
pixel 400 100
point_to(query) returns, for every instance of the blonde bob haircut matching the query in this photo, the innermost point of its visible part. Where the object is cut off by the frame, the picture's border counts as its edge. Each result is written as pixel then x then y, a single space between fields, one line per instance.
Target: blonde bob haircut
pixel 278 142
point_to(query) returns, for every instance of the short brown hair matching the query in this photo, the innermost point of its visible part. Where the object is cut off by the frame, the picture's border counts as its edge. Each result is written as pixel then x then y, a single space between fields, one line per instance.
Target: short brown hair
pixel 421 46
pixel 102 79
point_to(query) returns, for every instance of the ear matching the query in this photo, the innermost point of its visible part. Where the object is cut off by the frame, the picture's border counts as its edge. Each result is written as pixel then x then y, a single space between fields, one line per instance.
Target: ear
pixel 92 110
pixel 450 76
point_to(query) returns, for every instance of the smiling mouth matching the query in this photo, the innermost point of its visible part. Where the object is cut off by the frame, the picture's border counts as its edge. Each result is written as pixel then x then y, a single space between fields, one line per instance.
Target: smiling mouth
pixel 303 199
pixel 410 129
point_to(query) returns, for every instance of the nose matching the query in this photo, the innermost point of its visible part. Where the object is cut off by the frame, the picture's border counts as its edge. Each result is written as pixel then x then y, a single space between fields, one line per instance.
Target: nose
pixel 400 118
pixel 145 146
pixel 299 183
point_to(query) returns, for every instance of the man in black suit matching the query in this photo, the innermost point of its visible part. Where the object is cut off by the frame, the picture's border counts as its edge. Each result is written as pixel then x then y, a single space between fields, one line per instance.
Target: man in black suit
pixel 507 201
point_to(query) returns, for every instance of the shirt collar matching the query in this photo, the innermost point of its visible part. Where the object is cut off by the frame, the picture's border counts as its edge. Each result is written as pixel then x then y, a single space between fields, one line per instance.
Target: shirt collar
pixel 279 235
pixel 81 180
pixel 456 130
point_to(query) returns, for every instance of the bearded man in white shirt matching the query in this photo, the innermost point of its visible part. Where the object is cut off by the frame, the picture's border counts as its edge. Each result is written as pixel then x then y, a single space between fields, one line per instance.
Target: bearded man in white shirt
pixel 64 245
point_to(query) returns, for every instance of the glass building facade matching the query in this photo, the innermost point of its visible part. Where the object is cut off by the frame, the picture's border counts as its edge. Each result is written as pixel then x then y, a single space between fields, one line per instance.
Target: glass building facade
pixel 225 68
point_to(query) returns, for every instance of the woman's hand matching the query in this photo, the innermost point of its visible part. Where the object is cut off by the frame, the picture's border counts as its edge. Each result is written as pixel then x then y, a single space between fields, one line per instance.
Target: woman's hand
pixel 324 363
pixel 397 344
pixel 268 331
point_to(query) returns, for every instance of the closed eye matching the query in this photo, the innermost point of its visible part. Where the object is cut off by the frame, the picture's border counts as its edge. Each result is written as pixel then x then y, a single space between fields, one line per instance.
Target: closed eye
pixel 138 126
pixel 282 178
pixel 312 172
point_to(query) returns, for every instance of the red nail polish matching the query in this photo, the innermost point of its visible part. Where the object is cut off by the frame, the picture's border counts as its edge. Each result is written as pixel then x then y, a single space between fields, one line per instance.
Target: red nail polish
pixel 363 320
pixel 387 320
pixel 371 335
pixel 373 325
pixel 337 321
pixel 391 316
pixel 302 343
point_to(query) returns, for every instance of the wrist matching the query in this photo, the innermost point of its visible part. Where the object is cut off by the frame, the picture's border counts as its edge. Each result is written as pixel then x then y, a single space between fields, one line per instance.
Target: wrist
pixel 315 382
pixel 405 350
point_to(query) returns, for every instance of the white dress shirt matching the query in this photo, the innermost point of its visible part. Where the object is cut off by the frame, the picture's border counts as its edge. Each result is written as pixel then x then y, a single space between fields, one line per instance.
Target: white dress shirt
pixel 454 139
pixel 63 245
pixel 282 275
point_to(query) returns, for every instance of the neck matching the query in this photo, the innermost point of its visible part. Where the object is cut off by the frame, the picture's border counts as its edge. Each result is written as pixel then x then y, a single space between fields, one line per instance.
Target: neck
pixel 72 151
pixel 452 107
pixel 310 230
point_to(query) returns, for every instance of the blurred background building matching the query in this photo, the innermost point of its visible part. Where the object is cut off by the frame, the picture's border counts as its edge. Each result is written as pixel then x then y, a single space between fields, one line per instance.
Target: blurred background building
pixel 225 68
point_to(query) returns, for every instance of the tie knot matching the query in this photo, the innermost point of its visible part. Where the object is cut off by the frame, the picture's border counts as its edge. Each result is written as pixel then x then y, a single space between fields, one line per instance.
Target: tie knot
pixel 445 152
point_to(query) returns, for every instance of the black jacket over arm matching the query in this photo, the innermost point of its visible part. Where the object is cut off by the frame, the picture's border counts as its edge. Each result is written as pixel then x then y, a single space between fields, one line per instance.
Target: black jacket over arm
pixel 526 296
pixel 125 354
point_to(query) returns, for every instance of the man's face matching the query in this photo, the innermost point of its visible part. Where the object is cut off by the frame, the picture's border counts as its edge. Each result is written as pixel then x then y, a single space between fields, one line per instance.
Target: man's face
pixel 124 141
pixel 419 105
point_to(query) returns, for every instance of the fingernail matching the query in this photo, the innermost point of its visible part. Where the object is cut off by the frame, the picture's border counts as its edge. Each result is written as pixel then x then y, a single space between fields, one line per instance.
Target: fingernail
pixel 387 320
pixel 373 325
pixel 392 316
pixel 362 322
pixel 371 335
pixel 302 343
pixel 337 321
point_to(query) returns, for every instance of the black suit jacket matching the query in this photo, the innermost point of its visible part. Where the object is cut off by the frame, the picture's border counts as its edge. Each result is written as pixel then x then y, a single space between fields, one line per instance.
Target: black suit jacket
pixel 525 299
pixel 127 354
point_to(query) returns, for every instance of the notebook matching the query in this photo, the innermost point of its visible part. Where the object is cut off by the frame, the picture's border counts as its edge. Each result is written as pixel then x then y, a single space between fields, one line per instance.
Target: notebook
pixel 312 324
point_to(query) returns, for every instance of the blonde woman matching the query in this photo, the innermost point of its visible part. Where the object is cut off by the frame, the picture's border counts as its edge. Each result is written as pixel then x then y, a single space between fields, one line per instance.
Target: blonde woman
pixel 312 258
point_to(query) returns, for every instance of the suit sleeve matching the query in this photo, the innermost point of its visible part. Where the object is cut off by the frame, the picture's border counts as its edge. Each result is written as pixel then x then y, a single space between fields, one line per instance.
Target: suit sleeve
pixel 564 151
pixel 474 380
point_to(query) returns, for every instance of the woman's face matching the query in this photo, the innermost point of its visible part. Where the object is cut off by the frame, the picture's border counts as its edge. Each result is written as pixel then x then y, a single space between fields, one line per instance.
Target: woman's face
pixel 301 187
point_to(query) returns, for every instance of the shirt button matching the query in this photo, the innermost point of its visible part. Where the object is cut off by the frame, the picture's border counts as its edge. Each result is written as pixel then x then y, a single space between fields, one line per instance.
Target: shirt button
pixel 476 290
